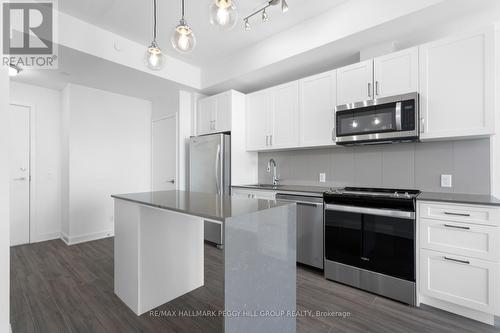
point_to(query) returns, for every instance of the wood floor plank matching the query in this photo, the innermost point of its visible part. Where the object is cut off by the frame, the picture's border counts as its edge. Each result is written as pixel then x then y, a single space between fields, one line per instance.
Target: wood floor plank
pixel 60 288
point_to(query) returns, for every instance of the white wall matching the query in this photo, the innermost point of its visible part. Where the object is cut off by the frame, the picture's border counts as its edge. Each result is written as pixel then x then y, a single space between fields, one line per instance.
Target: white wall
pixel 4 201
pixel 108 152
pixel 45 220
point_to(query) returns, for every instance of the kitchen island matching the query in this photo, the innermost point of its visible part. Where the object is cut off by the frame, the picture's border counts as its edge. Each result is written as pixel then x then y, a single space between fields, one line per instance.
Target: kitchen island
pixel 159 255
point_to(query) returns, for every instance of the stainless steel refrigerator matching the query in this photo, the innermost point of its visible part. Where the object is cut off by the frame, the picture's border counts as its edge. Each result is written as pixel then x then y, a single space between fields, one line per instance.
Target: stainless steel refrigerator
pixel 210 172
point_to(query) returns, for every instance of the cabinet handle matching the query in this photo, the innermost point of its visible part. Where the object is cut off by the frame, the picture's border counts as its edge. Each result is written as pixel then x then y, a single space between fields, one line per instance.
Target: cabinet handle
pixel 271 140
pixel 422 125
pixel 457 260
pixel 456 227
pixel 457 214
pixel 267 140
pixel 369 89
pixel 333 134
pixel 376 88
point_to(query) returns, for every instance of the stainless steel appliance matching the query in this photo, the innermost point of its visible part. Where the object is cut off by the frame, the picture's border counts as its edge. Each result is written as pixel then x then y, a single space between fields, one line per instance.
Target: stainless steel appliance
pixel 384 120
pixel 210 172
pixel 309 228
pixel 370 240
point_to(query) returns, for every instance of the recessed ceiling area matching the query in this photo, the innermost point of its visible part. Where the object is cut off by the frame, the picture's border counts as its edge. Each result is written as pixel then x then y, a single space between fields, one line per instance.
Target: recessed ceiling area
pixel 133 20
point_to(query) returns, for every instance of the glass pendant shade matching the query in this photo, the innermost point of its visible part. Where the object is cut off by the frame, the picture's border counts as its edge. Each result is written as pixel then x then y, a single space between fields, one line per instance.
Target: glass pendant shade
pixel 223 14
pixel 154 58
pixel 183 38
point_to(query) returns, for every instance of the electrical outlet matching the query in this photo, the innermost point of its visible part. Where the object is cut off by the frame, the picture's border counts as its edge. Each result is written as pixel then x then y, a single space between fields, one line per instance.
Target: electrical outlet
pixel 322 177
pixel 446 181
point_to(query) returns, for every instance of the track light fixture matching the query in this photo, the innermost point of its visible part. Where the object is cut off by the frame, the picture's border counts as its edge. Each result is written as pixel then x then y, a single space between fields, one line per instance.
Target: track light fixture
pixel 265 17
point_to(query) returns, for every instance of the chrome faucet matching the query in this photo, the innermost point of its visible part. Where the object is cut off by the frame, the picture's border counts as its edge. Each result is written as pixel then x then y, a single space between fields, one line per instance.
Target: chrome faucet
pixel 276 178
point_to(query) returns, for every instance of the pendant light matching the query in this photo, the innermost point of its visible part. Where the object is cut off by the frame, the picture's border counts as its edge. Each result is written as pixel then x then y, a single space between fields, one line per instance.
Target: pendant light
pixel 183 38
pixel 223 14
pixel 154 58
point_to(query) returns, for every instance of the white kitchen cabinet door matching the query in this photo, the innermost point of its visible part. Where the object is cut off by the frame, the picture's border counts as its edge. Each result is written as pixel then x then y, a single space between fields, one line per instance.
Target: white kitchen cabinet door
pixel 259 120
pixel 205 115
pixel 285 131
pixel 396 73
pixel 222 119
pixel 464 281
pixel 317 109
pixel 355 83
pixel 456 86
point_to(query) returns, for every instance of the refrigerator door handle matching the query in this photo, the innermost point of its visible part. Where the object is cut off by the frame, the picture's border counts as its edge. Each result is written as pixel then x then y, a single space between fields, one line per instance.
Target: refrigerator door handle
pixel 217 160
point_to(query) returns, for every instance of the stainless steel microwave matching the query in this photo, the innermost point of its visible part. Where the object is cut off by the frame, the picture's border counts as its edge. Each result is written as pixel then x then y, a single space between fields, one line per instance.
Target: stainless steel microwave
pixel 383 120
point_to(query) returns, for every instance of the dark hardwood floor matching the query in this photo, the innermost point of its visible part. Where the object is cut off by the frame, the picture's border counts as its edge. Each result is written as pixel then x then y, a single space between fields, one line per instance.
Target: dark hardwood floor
pixel 56 288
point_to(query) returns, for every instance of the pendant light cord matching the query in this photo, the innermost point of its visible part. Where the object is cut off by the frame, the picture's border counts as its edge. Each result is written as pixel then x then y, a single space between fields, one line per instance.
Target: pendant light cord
pixel 182 9
pixel 154 21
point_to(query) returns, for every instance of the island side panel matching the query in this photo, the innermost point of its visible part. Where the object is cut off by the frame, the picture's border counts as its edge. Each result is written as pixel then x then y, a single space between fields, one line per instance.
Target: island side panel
pixel 126 253
pixel 171 256
pixel 260 271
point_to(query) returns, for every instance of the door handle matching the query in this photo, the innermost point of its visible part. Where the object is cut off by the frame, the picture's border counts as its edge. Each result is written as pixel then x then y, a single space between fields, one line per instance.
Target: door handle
pixel 19 179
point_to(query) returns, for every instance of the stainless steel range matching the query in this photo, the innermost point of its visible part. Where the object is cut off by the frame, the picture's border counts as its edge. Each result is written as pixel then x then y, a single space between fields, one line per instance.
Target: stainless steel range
pixel 370 240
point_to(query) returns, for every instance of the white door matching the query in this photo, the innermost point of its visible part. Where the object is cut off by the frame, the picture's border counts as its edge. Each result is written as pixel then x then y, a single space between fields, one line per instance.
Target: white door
pixel 206 116
pixel 258 116
pixel 457 86
pixel 285 131
pixel 223 113
pixel 317 109
pixel 355 83
pixel 20 175
pixel 164 133
pixel 396 73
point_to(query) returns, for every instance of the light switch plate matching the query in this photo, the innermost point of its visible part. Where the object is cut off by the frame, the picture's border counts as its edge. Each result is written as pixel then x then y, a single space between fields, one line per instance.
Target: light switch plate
pixel 446 181
pixel 322 177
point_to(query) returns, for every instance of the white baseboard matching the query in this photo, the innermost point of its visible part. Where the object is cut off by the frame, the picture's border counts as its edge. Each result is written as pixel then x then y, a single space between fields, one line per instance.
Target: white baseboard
pixel 47 237
pixel 72 240
pixel 487 318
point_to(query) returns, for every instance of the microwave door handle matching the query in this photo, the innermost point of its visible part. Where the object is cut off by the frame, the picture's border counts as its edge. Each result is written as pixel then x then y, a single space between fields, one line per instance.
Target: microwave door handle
pixel 398 116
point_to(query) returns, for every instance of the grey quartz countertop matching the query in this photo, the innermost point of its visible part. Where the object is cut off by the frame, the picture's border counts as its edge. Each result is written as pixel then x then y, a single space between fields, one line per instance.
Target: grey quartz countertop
pixel 206 205
pixel 475 199
pixel 319 190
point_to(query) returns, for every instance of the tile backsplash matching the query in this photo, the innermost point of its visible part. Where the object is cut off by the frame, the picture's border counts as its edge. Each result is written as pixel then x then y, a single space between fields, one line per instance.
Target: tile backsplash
pixel 402 165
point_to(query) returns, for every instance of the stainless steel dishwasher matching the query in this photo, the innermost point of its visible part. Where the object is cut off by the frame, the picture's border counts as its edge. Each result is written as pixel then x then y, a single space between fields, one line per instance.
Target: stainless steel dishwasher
pixel 309 228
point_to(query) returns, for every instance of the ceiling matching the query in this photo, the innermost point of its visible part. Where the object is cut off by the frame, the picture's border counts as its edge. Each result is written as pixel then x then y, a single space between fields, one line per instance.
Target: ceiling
pixel 87 70
pixel 133 19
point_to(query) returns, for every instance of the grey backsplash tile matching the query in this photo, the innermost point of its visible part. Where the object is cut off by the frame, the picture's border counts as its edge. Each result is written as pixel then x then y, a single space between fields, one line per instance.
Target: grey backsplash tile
pixel 408 165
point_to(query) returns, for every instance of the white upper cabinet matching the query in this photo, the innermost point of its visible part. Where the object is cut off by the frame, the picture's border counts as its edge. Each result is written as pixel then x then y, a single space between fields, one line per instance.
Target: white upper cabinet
pixel 317 109
pixel 273 118
pixel 285 130
pixel 456 86
pixel 259 119
pixel 214 114
pixel 223 113
pixel 396 73
pixel 355 82
pixel 204 115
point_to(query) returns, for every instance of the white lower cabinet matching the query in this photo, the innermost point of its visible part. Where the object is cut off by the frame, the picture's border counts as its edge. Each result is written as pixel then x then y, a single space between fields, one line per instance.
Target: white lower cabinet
pixel 253 194
pixel 459 280
pixel 458 259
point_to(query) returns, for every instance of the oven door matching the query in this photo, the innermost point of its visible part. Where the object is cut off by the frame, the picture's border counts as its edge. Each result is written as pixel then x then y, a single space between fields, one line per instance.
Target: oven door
pixel 388 119
pixel 378 240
